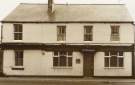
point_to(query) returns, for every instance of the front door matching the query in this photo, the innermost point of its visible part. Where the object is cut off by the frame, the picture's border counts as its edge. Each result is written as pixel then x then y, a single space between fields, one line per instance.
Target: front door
pixel 88 64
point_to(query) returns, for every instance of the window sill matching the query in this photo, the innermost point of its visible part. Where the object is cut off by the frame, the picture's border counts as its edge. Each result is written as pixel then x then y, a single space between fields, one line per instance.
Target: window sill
pixel 62 67
pixel 88 41
pixel 64 41
pixel 113 67
pixel 17 68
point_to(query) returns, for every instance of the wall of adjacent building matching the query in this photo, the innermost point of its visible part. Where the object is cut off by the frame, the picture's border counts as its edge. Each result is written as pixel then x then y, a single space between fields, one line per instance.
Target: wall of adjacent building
pixel 40 63
pixel 47 33
pixel 100 70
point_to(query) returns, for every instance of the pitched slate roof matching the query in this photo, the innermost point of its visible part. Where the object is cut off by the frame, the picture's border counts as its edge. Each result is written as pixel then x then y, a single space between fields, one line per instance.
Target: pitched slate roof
pixel 70 13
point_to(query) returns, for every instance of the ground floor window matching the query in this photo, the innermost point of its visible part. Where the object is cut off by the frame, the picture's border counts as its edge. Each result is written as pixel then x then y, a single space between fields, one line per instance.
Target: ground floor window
pixel 18 58
pixel 62 59
pixel 114 59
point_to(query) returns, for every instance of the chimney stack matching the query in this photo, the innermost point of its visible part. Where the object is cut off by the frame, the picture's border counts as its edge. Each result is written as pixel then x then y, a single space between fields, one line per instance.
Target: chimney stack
pixel 50 6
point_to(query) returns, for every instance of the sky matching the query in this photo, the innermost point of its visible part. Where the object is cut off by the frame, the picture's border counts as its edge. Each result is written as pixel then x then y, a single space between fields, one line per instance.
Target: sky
pixel 6 6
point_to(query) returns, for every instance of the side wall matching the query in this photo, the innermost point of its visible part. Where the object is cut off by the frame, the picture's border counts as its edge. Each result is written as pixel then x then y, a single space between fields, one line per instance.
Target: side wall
pixel 100 70
pixel 35 63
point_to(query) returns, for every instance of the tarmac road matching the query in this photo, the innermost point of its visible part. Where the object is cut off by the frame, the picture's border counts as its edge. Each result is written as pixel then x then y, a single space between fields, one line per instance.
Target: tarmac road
pixel 44 81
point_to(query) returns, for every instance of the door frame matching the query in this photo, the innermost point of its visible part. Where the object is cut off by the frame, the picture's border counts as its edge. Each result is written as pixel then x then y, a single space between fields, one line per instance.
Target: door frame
pixel 90 55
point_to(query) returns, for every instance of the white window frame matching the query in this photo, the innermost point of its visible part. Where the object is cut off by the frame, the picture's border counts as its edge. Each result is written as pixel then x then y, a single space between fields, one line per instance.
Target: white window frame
pixel 18 32
pixel 116 36
pixel 118 56
pixel 61 36
pixel 67 56
pixel 88 34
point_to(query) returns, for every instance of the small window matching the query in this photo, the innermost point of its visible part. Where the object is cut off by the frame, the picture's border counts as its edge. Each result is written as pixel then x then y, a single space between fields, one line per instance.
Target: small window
pixel 88 33
pixel 18 32
pixel 61 33
pixel 19 58
pixel 115 36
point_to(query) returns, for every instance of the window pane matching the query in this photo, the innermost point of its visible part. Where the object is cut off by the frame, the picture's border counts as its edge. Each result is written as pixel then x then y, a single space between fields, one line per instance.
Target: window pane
pixel 107 53
pixel 17 27
pixel 17 36
pixel 70 53
pixel 88 29
pixel 55 61
pixel 69 61
pixel 87 37
pixel 114 53
pixel 121 53
pixel 121 62
pixel 115 37
pixel 55 53
pixel 106 63
pixel 63 60
pixel 113 61
pixel 115 29
pixel 19 58
pixel 63 53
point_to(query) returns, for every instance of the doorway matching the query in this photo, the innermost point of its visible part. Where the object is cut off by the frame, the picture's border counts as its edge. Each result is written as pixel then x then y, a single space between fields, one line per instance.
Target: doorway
pixel 88 67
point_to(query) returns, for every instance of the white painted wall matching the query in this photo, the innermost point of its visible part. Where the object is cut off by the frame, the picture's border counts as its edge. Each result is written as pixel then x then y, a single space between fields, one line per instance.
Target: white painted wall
pixel 47 33
pixel 100 70
pixel 35 63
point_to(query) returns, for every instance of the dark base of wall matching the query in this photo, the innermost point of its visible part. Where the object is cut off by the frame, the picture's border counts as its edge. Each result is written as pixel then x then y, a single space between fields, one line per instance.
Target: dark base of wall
pixel 117 77
pixel 40 76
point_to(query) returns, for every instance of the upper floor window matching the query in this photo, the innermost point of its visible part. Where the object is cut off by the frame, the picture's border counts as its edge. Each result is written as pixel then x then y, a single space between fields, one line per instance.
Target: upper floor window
pixel 61 33
pixel 18 32
pixel 18 58
pixel 115 35
pixel 114 59
pixel 62 59
pixel 88 33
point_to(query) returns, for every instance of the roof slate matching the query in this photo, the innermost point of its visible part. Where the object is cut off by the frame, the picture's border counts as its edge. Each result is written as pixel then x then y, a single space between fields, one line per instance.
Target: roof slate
pixel 70 13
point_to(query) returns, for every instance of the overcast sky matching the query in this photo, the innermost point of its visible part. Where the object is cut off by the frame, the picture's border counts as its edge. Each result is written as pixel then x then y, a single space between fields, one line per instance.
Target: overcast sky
pixel 6 6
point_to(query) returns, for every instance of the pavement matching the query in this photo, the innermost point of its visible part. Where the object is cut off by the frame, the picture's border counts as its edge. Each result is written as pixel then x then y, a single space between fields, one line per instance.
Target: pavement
pixel 119 80
pixel 65 81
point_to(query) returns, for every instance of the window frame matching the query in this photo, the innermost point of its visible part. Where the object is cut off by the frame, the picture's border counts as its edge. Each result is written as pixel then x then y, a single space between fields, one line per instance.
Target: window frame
pixel 115 33
pixel 61 33
pixel 19 58
pixel 118 56
pixel 18 31
pixel 88 34
pixel 69 62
